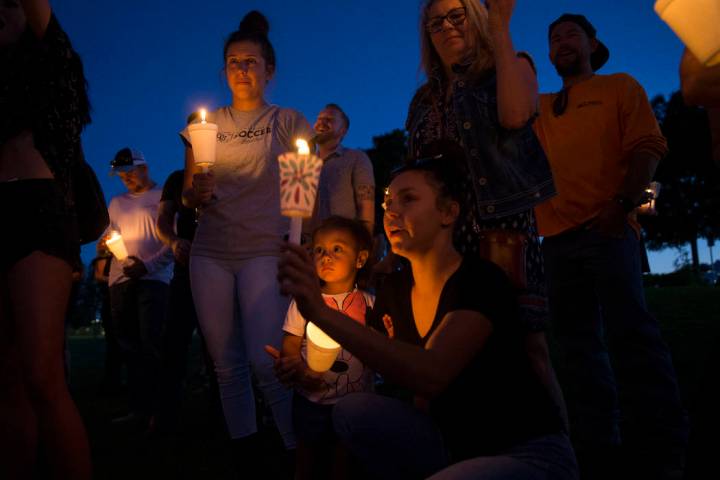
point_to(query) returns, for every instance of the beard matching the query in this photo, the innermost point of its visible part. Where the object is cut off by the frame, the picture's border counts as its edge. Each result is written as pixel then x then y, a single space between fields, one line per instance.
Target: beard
pixel 571 69
pixel 325 137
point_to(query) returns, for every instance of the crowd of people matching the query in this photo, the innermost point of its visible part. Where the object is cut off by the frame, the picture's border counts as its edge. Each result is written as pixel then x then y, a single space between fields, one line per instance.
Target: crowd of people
pixel 444 370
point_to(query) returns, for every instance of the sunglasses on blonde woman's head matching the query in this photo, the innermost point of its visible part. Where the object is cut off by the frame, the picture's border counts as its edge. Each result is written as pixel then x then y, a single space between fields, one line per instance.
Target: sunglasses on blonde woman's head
pixel 456 17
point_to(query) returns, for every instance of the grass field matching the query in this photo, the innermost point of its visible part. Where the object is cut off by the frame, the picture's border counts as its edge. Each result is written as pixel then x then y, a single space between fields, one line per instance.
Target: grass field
pixel 689 317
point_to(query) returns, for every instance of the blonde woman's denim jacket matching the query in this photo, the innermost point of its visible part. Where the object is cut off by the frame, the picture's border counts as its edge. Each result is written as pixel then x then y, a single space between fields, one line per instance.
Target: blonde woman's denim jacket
pixel 509 169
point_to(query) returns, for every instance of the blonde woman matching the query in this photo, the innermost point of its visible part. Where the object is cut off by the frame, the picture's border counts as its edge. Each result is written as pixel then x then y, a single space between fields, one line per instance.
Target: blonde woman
pixel 482 94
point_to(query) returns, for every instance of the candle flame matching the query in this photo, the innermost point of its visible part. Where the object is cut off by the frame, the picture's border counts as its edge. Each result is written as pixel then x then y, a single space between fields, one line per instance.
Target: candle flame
pixel 114 237
pixel 203 112
pixel 302 146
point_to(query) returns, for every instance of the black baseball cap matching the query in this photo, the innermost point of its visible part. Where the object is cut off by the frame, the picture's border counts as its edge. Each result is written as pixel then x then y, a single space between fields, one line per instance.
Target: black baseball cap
pixel 126 159
pixel 601 53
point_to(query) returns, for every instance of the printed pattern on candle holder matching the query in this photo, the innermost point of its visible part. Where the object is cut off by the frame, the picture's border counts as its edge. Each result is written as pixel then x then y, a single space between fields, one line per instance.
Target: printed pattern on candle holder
pixel 299 175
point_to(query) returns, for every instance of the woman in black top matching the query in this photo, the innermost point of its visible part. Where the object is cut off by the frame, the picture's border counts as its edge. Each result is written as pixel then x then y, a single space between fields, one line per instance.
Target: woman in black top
pixel 453 339
pixel 44 106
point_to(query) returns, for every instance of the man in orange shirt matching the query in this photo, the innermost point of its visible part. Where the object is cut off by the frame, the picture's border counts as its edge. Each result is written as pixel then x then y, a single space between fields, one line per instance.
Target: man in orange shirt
pixel 603 144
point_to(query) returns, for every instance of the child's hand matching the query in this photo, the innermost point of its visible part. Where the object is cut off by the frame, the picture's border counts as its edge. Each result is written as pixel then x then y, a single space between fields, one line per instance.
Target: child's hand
pixel 292 371
pixel 288 369
pixel 311 380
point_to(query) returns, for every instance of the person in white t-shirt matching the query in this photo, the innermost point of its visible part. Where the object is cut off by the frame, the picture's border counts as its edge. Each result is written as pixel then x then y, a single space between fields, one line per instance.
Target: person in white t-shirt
pixel 139 284
pixel 236 247
pixel 340 249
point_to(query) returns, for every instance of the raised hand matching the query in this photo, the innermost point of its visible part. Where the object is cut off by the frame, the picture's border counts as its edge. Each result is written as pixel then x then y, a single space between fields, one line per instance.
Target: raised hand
pixel 500 12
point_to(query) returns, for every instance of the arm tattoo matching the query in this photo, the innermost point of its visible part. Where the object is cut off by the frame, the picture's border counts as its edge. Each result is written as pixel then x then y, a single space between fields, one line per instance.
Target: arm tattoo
pixel 364 192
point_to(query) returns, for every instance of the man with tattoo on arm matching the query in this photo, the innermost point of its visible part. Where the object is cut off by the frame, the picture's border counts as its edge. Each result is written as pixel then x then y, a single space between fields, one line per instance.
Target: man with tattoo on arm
pixel 347 184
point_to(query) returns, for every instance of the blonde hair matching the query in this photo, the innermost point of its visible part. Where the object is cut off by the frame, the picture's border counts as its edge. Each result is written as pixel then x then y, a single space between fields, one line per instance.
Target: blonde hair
pixel 476 18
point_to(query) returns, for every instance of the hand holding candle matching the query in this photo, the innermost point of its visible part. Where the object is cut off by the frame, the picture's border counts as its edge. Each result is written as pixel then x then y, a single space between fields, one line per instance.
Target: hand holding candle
pixel 203 137
pixel 299 176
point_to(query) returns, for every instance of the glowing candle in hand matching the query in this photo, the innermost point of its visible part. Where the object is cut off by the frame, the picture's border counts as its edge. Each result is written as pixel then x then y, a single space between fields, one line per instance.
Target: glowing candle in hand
pixel 322 350
pixel 299 176
pixel 203 137
pixel 116 245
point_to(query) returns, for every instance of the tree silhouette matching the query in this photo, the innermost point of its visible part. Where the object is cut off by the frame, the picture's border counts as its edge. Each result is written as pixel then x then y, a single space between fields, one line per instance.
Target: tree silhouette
pixel 690 196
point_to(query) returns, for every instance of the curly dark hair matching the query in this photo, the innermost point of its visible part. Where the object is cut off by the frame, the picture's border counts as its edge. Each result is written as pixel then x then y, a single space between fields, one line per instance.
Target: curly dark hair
pixel 357 230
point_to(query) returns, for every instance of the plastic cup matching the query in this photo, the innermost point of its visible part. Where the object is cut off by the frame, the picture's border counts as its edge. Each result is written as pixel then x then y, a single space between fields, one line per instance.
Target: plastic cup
pixel 203 137
pixel 321 349
pixel 696 23
pixel 116 245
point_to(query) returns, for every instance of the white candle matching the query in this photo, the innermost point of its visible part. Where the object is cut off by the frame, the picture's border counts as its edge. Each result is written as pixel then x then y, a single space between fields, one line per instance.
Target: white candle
pixel 203 137
pixel 696 23
pixel 299 176
pixel 116 245
pixel 322 350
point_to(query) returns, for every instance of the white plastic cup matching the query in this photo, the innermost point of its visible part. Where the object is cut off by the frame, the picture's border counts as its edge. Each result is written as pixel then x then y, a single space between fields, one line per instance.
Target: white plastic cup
pixel 696 23
pixel 116 245
pixel 321 349
pixel 203 137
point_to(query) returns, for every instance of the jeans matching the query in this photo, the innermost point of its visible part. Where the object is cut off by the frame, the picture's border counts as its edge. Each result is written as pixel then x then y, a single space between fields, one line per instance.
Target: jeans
pixel 546 458
pixel 596 296
pixel 236 343
pixel 394 440
pixel 138 313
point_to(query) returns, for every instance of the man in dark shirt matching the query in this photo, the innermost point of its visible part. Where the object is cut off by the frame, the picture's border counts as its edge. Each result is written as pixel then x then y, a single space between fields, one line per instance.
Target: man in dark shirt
pixel 182 319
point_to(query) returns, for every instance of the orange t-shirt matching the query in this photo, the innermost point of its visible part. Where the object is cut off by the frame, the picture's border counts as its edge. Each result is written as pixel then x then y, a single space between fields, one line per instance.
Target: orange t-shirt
pixel 608 118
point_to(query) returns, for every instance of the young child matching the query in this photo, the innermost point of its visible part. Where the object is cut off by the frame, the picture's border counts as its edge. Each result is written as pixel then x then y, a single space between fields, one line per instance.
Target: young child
pixel 340 249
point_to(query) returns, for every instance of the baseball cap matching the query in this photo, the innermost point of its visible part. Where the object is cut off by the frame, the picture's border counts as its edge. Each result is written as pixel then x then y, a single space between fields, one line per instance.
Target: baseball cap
pixel 601 53
pixel 126 159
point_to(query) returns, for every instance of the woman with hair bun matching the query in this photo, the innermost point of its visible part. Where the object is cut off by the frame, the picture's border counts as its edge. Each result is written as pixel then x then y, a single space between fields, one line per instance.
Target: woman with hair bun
pixel 234 255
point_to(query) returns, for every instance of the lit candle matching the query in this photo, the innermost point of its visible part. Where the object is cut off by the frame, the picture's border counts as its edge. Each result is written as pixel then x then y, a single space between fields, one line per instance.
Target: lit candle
pixel 696 23
pixel 116 245
pixel 651 194
pixel 299 176
pixel 302 146
pixel 203 137
pixel 322 350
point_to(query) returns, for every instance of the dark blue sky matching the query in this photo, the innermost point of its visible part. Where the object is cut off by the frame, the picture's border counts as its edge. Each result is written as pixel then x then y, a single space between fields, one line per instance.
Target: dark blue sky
pixel 150 63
